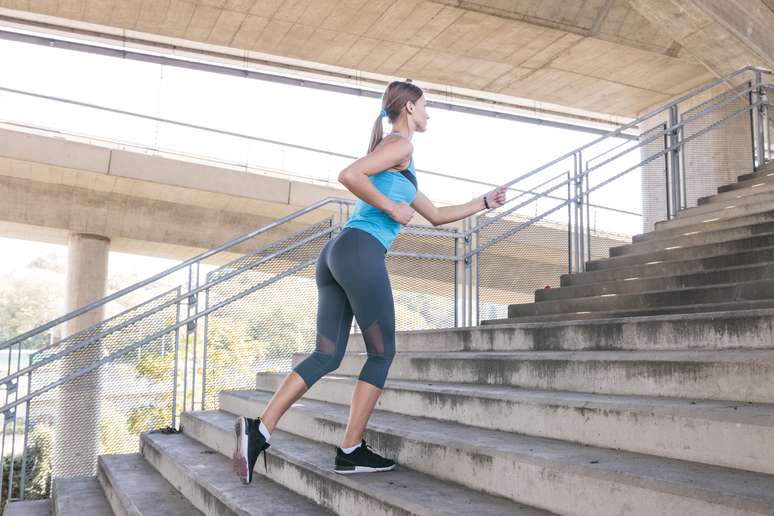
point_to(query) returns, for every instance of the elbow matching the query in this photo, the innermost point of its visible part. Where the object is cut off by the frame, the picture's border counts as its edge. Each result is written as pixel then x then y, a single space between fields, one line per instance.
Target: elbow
pixel 344 178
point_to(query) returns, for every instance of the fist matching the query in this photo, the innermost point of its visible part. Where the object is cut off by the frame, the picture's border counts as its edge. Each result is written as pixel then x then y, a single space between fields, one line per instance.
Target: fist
pixel 496 197
pixel 403 212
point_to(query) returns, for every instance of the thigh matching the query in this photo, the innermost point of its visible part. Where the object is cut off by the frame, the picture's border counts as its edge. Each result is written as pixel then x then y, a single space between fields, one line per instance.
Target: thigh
pixel 359 268
pixel 334 312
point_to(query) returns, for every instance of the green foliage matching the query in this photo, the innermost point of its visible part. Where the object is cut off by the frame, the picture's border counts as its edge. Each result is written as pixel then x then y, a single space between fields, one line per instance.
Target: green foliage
pixel 38 465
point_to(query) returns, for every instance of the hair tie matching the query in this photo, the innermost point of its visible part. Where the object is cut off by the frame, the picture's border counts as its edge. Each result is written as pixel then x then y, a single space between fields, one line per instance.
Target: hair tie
pixel 382 113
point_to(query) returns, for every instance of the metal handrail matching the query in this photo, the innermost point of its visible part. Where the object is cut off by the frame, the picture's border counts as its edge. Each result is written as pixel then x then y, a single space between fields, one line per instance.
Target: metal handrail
pixel 198 258
pixel 616 132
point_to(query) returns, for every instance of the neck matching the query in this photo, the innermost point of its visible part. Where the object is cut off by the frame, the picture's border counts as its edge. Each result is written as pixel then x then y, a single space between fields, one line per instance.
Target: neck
pixel 404 129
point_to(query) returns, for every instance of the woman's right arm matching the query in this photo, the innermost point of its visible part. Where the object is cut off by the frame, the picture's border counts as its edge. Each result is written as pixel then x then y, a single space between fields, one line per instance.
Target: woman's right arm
pixel 384 156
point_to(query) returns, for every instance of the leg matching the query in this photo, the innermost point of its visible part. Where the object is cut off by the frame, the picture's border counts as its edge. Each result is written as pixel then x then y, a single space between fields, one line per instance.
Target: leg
pixel 334 318
pixel 370 295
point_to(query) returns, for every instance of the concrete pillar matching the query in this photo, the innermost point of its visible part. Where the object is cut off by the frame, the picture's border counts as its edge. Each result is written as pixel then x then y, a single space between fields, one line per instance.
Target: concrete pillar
pixel 709 161
pixel 76 438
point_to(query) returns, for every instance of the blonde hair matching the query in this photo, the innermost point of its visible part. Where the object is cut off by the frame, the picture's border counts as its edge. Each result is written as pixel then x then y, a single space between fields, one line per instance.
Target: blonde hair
pixel 395 97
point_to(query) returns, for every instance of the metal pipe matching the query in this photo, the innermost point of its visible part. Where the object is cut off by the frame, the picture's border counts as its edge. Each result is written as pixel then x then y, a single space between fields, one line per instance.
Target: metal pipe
pixel 455 265
pixel 204 350
pixel 759 99
pixel 194 376
pixel 197 258
pixel 176 365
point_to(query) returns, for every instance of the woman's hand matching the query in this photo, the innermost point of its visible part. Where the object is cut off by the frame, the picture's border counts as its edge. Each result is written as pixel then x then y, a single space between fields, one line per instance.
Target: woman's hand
pixel 402 212
pixel 496 197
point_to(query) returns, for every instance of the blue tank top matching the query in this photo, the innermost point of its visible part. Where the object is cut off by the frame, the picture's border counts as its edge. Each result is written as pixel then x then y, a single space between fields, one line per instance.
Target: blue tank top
pixel 398 186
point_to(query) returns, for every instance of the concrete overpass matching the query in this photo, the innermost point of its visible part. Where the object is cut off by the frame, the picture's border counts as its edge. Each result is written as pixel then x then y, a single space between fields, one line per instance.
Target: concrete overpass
pixel 167 207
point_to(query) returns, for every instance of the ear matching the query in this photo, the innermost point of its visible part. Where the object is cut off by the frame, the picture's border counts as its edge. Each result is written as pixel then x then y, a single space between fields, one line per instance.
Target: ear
pixel 410 106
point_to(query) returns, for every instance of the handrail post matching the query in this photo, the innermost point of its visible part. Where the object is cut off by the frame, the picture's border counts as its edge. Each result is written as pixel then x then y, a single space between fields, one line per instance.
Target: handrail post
pixel 456 265
pixel 478 294
pixel 761 121
pixel 674 178
pixel 578 223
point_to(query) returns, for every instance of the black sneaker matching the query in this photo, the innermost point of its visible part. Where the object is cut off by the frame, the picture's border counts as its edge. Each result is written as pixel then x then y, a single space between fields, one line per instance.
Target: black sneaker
pixel 250 442
pixel 361 460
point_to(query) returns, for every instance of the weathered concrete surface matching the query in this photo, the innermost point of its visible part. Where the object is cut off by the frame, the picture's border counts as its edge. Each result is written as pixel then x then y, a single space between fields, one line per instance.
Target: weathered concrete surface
pixel 738 375
pixel 698 431
pixel 28 508
pixel 746 329
pixel 133 487
pixel 78 402
pixel 78 496
pixel 518 53
pixel 306 467
pixel 530 470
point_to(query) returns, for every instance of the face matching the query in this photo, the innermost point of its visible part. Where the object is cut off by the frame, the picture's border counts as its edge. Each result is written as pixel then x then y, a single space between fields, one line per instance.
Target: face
pixel 419 114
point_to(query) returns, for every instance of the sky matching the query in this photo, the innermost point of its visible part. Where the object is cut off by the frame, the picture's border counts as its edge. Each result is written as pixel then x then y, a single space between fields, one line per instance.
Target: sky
pixel 457 144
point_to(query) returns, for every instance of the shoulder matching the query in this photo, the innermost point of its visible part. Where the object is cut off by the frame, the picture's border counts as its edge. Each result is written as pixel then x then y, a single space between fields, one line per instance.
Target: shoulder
pixel 397 144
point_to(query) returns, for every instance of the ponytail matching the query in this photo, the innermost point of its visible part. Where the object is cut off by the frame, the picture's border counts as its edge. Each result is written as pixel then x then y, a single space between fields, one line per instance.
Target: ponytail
pixel 377 133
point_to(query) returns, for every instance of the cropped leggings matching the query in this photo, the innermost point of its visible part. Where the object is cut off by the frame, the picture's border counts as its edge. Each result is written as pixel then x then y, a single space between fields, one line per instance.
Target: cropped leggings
pixel 351 277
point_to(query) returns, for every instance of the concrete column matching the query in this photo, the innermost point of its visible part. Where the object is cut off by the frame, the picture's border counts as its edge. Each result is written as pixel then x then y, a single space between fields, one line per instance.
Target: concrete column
pixel 709 161
pixel 76 438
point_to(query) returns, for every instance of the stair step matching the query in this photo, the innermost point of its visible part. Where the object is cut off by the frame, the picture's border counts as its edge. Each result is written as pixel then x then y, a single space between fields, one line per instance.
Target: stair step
pixel 28 508
pixel 759 290
pixel 207 480
pixel 706 227
pixel 760 172
pixel 695 430
pixel 679 252
pixel 134 488
pixel 306 465
pixel 563 477
pixel 766 180
pixel 726 215
pixel 660 283
pixel 670 267
pixel 760 193
pixel 709 308
pixel 727 330
pixel 691 240
pixel 711 375
pixel 76 496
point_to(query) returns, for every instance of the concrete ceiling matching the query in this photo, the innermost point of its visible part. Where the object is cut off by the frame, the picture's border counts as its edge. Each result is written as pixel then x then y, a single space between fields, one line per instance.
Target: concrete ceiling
pixel 617 57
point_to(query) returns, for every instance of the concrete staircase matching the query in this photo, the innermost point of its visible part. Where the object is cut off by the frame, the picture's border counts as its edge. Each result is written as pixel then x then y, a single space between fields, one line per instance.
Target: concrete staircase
pixel 643 386
pixel 717 256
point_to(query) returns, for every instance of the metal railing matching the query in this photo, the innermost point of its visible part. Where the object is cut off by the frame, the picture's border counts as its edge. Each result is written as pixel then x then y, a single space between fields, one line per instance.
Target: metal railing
pixel 201 331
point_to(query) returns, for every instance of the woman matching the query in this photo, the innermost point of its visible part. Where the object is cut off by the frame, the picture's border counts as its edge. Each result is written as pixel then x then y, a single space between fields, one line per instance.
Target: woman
pixel 352 278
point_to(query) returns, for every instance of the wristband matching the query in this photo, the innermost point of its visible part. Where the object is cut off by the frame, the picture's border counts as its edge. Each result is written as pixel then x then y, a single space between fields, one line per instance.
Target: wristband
pixel 485 203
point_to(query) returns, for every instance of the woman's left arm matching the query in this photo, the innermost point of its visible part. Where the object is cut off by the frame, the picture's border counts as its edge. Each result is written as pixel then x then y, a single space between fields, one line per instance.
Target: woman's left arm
pixel 445 214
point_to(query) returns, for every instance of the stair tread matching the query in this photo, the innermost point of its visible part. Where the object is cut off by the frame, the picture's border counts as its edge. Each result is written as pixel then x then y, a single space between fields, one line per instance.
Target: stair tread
pixel 734 306
pixel 211 470
pixel 630 256
pixel 611 283
pixel 28 508
pixel 652 292
pixel 735 222
pixel 401 487
pixel 736 356
pixel 761 414
pixel 719 484
pixel 141 489
pixel 73 496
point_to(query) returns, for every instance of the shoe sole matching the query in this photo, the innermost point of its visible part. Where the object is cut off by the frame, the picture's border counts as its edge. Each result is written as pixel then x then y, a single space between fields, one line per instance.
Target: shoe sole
pixel 363 469
pixel 239 457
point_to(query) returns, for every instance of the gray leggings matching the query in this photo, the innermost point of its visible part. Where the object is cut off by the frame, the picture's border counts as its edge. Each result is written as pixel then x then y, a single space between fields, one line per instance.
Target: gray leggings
pixel 352 277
